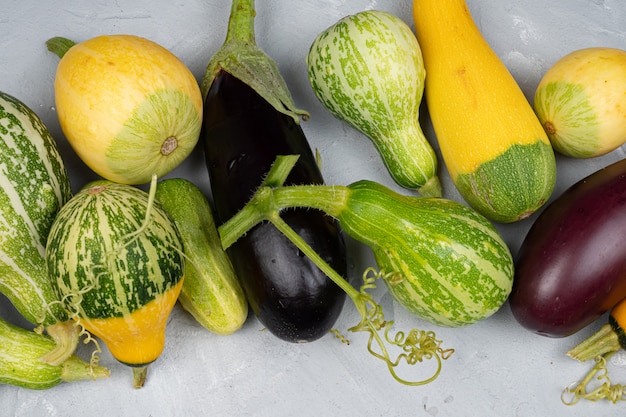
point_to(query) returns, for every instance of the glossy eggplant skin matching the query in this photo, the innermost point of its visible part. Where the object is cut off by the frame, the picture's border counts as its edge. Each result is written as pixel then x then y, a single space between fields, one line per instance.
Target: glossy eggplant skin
pixel 571 267
pixel 242 135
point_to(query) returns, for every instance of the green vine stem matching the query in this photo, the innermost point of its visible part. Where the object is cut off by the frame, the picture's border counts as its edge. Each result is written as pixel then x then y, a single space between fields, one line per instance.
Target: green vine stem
pixel 606 390
pixel 266 204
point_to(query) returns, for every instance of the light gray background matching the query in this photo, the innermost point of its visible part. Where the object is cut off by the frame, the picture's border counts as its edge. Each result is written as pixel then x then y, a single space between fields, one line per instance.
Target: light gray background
pixel 498 369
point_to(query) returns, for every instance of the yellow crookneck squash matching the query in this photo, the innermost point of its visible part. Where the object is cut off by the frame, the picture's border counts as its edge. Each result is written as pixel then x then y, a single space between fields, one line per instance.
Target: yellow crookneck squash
pixel 492 143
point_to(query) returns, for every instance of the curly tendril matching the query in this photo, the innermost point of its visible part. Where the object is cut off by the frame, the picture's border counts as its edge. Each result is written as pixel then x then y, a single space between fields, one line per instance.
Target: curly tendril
pixel 416 345
pixel 339 336
pixel 605 391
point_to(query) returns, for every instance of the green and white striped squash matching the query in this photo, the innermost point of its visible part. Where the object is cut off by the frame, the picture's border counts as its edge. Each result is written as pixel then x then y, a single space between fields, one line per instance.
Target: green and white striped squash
pixel 441 260
pixel 367 70
pixel 116 258
pixel 20 363
pixel 34 185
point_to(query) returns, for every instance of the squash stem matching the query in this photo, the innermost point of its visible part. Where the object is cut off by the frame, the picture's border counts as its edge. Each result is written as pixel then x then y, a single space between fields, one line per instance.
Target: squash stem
pixel 604 341
pixel 331 199
pixel 59 45
pixel 432 188
pixel 65 336
pixel 272 197
pixel 139 376
pixel 268 202
pixel 75 369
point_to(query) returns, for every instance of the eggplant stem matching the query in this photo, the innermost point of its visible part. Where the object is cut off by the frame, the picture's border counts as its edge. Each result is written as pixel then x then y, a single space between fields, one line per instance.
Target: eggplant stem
pixel 241 23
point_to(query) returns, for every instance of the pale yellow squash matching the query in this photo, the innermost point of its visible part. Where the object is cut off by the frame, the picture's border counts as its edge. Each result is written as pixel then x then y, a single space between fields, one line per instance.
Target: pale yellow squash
pixel 128 106
pixel 581 102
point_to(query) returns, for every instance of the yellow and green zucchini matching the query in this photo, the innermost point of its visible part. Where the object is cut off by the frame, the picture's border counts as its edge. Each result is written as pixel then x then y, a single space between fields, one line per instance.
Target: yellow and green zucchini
pixel 492 143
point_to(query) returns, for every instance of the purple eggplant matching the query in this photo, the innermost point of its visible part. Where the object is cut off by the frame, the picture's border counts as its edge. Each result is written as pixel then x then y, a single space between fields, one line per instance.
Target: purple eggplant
pixel 571 267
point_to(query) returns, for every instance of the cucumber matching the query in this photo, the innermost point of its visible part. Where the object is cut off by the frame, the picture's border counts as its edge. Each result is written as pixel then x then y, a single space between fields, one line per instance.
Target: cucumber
pixel 116 258
pixel 211 292
pixel 34 184
pixel 20 350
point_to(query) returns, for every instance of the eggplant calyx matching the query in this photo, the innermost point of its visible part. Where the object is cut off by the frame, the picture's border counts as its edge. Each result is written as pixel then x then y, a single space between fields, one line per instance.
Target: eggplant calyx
pixel 242 58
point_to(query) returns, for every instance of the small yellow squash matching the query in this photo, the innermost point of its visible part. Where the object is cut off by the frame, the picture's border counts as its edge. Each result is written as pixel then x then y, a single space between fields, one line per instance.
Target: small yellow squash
pixel 581 102
pixel 128 106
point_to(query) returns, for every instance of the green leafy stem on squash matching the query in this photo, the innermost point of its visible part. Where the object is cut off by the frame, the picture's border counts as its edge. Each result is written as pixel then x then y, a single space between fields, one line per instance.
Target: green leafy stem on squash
pixel 266 205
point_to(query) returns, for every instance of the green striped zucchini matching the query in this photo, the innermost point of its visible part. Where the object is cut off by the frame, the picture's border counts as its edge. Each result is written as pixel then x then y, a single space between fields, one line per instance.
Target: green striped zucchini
pixel 443 261
pixel 34 184
pixel 367 70
pixel 116 257
pixel 20 364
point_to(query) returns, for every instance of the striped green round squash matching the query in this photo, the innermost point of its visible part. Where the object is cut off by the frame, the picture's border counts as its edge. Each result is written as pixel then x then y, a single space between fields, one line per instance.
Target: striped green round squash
pixel 116 258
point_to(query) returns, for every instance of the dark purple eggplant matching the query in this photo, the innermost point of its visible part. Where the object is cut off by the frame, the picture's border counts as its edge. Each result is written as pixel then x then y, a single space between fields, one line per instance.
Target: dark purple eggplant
pixel 571 267
pixel 242 135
